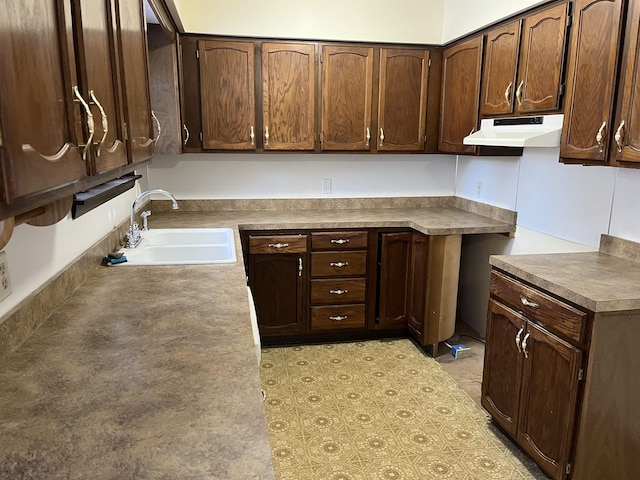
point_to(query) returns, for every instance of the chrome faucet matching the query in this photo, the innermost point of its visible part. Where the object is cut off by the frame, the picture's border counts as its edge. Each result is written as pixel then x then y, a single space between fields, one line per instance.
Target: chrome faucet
pixel 133 234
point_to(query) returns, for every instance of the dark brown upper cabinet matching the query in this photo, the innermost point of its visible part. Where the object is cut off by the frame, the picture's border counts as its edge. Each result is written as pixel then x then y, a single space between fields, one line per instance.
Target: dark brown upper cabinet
pixel 523 64
pixel 289 96
pixel 67 94
pixel 402 99
pixel 594 53
pixel 347 80
pixel 461 68
pixel 625 142
pixel 227 95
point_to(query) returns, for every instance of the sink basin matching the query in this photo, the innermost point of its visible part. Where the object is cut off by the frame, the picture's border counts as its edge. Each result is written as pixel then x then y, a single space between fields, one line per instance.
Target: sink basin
pixel 183 246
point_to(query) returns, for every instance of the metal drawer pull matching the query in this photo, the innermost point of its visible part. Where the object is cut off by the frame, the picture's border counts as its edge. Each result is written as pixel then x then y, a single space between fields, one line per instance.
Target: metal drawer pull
pixel 524 345
pixel 339 264
pixel 518 336
pixel 252 136
pixel 338 292
pixel 90 124
pixel 381 137
pixel 367 137
pixel 600 137
pixel 340 241
pixel 528 303
pixel 519 92
pixel 278 245
pixel 338 318
pixel 619 136
pixel 187 134
pixel 506 94
pixel 266 136
pixel 158 126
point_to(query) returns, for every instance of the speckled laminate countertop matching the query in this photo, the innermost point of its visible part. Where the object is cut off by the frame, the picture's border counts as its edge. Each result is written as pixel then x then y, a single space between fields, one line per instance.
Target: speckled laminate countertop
pixel 150 372
pixel 597 281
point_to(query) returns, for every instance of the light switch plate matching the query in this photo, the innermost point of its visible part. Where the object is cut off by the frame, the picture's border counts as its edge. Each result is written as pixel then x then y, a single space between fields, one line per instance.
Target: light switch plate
pixel 5 282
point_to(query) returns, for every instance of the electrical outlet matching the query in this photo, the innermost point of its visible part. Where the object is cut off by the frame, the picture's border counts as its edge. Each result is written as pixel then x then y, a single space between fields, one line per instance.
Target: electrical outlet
pixel 326 185
pixel 5 283
pixel 479 189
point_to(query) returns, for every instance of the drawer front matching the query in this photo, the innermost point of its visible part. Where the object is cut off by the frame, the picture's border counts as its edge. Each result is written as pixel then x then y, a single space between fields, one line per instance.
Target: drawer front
pixel 336 317
pixel 335 290
pixel 339 240
pixel 277 244
pixel 549 312
pixel 338 264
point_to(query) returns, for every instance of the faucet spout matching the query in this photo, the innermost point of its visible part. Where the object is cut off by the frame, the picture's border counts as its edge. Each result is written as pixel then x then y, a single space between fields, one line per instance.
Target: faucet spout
pixel 133 234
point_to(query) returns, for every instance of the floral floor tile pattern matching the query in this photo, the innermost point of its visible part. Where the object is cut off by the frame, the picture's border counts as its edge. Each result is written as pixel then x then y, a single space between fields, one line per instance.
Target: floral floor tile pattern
pixel 378 410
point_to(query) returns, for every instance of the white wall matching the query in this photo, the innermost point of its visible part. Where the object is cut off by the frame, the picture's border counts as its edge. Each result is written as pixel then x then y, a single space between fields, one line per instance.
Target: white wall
pixel 204 176
pixel 464 16
pixel 402 21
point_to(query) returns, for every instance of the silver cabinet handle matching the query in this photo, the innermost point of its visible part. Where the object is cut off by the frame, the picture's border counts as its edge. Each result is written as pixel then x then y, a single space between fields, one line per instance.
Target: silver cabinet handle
pixel 524 345
pixel 338 318
pixel 600 137
pixel 157 137
pixel 368 136
pixel 338 292
pixel 266 136
pixel 381 137
pixel 299 266
pixel 528 303
pixel 519 92
pixel 252 136
pixel 278 245
pixel 518 336
pixel 186 131
pixel 105 122
pixel 90 124
pixel 339 264
pixel 339 241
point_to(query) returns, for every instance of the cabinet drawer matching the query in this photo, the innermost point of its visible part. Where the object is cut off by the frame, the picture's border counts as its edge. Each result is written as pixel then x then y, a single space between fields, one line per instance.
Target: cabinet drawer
pixel 549 312
pixel 335 290
pixel 333 317
pixel 338 264
pixel 277 243
pixel 339 240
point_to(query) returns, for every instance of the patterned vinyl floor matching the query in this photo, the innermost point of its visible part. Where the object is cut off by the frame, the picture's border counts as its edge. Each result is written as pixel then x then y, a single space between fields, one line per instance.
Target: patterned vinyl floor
pixel 378 410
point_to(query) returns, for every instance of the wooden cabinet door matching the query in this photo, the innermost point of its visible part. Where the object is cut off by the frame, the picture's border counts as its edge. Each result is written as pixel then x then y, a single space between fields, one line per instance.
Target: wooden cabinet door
pixel 277 284
pixel 135 79
pixel 503 361
pixel 227 94
pixel 417 288
pixel 402 100
pixel 461 67
pixel 500 68
pixel 99 83
pixel 591 77
pixel 347 79
pixel 190 94
pixel 40 124
pixel 541 60
pixel 393 278
pixel 549 399
pixel 288 96
pixel 626 137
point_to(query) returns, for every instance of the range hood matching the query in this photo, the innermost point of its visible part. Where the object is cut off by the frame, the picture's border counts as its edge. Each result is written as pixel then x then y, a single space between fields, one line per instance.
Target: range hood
pixel 540 131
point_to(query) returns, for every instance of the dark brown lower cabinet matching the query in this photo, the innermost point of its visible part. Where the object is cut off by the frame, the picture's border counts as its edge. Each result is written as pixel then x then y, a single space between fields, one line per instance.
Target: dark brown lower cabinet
pixel 277 277
pixel 394 269
pixel 531 375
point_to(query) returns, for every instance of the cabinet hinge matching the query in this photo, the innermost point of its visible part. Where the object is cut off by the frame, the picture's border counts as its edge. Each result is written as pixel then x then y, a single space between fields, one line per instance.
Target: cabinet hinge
pixel 201 136
pixel 569 20
pixel 197 53
pixel 429 63
pixel 568 469
pixel 580 374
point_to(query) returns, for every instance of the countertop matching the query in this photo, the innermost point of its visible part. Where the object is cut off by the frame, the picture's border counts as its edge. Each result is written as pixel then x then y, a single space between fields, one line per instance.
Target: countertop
pixel 150 372
pixel 604 281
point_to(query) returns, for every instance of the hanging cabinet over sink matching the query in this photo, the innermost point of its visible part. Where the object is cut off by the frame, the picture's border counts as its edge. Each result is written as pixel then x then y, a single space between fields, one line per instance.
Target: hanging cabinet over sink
pixel 74 98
